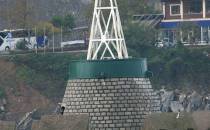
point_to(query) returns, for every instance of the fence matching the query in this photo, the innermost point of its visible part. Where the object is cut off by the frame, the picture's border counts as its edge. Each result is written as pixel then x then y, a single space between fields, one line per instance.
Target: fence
pixel 50 39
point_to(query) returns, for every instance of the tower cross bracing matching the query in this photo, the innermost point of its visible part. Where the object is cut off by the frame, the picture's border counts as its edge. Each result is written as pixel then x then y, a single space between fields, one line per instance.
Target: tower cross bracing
pixel 107 38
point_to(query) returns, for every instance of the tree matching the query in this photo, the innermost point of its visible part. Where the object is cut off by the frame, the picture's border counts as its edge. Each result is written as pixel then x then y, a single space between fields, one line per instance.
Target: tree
pixel 190 31
pixel 47 27
pixel 138 37
pixel 69 21
pixel 127 9
pixel 2 92
pixel 21 14
pixel 22 45
pixel 57 21
pixel 18 14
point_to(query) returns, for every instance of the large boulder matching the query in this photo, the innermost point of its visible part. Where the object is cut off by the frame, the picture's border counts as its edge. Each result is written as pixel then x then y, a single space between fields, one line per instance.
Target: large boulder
pixel 166 98
pixel 195 102
pixel 176 106
pixel 207 108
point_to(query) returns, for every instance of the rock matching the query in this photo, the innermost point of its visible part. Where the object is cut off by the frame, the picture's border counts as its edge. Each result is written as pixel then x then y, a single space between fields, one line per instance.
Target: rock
pixel 166 98
pixel 207 108
pixel 2 109
pixel 174 101
pixel 195 102
pixel 4 101
pixel 176 106
pixel 182 98
pixel 60 109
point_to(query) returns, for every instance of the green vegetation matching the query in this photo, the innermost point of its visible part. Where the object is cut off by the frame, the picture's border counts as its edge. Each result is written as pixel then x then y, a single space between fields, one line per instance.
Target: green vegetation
pixel 127 9
pixel 2 92
pixel 57 21
pixel 67 22
pixel 22 45
pixel 46 73
pixel 175 68
pixel 181 68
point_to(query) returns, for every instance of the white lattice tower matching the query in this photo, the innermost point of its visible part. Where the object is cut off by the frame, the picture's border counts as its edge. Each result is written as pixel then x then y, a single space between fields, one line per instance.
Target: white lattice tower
pixel 106 38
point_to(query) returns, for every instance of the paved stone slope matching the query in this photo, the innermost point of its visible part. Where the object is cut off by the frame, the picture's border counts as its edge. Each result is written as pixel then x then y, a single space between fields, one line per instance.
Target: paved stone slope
pixel 112 104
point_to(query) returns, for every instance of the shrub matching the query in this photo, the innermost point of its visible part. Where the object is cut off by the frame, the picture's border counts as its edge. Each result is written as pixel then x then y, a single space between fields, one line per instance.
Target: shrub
pixel 68 21
pixel 2 92
pixel 57 21
pixel 48 27
pixel 22 45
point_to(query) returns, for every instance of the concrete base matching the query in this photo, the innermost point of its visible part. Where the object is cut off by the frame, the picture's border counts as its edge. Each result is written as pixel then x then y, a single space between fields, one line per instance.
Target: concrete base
pixel 112 104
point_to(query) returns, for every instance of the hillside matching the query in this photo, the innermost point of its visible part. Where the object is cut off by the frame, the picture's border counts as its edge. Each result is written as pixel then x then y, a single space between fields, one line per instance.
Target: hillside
pixel 41 10
pixel 39 81
pixel 32 82
pixel 18 96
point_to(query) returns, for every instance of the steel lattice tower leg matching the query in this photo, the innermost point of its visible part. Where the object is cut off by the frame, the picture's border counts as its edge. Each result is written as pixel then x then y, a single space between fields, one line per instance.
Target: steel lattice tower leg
pixel 106 38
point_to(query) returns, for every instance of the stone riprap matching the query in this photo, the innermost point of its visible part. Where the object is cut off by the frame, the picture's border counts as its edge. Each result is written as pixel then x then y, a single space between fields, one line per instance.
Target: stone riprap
pixel 112 104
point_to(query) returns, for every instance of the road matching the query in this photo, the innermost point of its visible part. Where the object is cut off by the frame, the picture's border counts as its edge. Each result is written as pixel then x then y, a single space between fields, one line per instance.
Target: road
pixel 6 54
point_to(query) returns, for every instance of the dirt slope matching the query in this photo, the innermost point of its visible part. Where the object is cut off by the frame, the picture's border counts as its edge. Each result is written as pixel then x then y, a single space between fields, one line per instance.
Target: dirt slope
pixel 20 97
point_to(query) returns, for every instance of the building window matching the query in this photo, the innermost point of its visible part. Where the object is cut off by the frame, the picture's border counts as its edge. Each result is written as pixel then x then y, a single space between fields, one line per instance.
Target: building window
pixel 193 6
pixel 175 9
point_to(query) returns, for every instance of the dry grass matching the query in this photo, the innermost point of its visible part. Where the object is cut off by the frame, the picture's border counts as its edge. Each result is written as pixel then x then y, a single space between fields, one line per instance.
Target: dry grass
pixel 71 122
pixel 202 120
pixel 4 125
pixel 21 98
pixel 169 121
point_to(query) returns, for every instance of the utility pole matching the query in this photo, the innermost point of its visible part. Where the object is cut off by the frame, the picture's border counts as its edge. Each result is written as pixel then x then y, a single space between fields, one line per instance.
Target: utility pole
pixel 45 39
pixel 36 47
pixel 8 15
pixel 53 39
pixel 61 38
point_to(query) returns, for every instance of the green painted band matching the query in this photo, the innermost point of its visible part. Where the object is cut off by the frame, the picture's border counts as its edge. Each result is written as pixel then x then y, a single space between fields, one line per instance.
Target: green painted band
pixel 126 68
